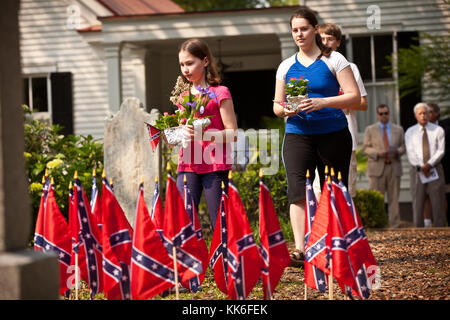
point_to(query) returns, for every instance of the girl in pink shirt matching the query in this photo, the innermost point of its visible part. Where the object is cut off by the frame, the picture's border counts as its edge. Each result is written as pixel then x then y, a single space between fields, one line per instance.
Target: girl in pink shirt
pixel 206 160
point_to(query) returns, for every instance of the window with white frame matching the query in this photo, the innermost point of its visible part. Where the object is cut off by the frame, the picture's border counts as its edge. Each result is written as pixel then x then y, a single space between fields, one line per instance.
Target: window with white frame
pixel 369 53
pixel 37 93
pixel 50 96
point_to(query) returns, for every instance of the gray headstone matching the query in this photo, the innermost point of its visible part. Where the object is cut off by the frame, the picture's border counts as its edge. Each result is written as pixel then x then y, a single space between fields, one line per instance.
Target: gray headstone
pixel 128 156
pixel 28 275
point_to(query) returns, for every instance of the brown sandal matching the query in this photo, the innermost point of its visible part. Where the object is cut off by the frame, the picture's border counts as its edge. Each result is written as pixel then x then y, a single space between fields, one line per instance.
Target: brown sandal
pixel 297 258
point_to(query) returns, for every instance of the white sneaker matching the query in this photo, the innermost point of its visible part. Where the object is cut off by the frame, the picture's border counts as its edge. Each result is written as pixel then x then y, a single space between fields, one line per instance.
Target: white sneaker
pixel 427 223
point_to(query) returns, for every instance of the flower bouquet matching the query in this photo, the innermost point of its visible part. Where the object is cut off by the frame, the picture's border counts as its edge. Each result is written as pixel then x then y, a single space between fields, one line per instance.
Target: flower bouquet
pixel 190 108
pixel 296 91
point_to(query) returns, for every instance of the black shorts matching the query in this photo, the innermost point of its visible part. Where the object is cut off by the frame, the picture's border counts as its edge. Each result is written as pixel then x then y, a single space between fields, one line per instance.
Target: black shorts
pixel 303 152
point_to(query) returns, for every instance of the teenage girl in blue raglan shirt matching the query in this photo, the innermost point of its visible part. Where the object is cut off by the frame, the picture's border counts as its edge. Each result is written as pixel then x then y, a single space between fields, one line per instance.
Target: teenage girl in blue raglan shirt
pixel 317 135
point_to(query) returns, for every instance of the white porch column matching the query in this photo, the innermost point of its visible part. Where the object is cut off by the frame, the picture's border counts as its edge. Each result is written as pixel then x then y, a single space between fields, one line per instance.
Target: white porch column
pixel 112 54
pixel 138 61
pixel 287 45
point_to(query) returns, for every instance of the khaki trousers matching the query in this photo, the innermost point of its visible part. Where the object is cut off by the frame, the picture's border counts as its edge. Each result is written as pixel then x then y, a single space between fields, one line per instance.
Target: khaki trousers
pixel 389 183
pixel 435 190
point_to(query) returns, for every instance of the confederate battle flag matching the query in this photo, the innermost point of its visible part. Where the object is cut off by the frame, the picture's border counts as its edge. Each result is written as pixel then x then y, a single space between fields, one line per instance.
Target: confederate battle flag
pixel 53 234
pixel 274 252
pixel 151 267
pixel 244 260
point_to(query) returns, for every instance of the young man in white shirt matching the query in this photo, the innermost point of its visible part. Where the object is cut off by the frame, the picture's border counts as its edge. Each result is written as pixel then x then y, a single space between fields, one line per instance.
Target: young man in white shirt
pixel 331 37
pixel 433 118
pixel 425 147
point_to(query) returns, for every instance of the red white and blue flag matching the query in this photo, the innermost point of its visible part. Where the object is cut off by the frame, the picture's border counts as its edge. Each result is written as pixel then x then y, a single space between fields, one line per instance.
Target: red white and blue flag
pixel 202 254
pixel 244 261
pixel 178 232
pixel 117 235
pixel 151 267
pixel 86 240
pixel 273 248
pixel 342 268
pixel 94 203
pixel 52 234
pixel 157 211
pixel 154 134
pixel 218 252
pixel 318 247
pixel 354 240
pixel 39 228
pixel 314 277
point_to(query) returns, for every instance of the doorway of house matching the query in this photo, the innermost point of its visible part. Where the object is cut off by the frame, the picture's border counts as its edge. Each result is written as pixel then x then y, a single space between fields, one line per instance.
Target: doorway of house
pixel 252 93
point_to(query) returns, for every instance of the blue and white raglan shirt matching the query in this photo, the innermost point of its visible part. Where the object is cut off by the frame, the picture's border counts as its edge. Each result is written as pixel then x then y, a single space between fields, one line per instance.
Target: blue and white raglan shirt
pixel 321 75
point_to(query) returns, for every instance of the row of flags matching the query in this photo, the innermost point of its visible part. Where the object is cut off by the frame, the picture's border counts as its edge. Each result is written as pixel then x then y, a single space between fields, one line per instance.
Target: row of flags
pixel 166 247
pixel 335 241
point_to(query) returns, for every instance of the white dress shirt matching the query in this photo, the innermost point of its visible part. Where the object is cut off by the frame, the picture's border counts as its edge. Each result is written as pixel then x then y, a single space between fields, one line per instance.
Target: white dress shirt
pixel 351 114
pixel 413 142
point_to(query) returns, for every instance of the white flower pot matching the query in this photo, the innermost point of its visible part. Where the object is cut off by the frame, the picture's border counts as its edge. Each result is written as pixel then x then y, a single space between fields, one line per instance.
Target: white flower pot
pixel 293 103
pixel 174 135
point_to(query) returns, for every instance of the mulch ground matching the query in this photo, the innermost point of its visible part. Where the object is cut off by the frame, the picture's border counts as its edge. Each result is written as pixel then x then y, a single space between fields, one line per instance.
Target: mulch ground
pixel 414 265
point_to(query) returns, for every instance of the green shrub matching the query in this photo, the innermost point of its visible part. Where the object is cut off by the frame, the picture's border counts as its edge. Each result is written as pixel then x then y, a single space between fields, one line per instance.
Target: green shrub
pixel 361 159
pixel 247 183
pixel 62 156
pixel 371 209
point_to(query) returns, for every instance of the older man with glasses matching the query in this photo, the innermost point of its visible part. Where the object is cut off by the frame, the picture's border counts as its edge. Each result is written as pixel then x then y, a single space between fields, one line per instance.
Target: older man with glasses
pixel 384 144
pixel 425 146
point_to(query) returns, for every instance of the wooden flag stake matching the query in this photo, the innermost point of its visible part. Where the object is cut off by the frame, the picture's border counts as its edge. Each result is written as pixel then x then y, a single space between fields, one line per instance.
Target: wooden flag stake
pixel 75 176
pixel 306 291
pixel 306 287
pixel 330 276
pixel 269 291
pixel 175 269
pixel 330 282
pixel 76 276
pixel 174 254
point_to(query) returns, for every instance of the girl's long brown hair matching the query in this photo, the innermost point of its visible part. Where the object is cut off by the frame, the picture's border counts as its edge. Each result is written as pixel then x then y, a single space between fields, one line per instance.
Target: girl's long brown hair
pixel 200 49
pixel 308 14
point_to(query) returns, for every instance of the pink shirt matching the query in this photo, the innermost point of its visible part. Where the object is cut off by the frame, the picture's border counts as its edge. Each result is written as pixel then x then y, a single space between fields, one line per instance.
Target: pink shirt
pixel 205 156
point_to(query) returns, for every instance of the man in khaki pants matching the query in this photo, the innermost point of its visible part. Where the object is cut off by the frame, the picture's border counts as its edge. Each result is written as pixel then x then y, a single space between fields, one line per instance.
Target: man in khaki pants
pixel 384 144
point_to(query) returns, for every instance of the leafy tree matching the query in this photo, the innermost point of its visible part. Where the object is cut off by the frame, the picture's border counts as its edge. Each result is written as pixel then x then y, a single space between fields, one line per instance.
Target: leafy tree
pixel 427 65
pixel 45 148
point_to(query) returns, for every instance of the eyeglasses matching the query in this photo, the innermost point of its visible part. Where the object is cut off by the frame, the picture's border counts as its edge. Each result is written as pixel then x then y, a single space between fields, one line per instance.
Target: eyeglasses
pixel 383 113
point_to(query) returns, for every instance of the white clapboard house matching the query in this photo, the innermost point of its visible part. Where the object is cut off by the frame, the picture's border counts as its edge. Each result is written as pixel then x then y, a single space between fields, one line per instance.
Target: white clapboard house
pixel 81 59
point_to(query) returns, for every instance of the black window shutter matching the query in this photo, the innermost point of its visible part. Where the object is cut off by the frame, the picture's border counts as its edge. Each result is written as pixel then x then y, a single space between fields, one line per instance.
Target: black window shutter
pixel 407 103
pixel 342 48
pixel 62 101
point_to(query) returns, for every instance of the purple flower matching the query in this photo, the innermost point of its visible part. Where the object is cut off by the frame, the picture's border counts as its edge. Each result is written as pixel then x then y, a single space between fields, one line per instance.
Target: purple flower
pixel 201 90
pixel 213 95
pixel 192 104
